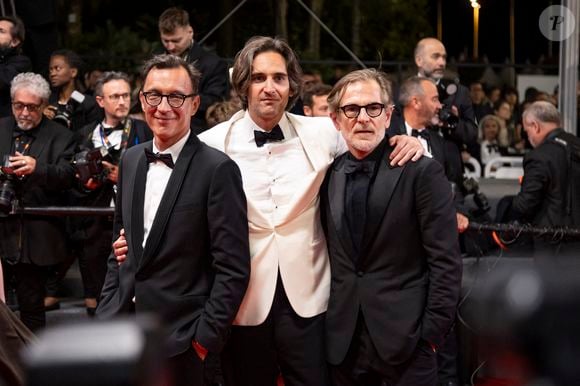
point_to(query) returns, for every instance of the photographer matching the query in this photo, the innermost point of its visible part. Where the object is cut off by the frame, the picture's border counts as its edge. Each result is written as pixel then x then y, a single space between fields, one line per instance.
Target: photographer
pixel 100 146
pixel 456 118
pixel 36 171
pixel 12 62
pixel 67 105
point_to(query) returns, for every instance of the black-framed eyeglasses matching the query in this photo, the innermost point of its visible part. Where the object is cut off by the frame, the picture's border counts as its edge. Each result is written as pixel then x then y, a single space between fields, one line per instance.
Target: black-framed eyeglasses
pixel 154 98
pixel 373 110
pixel 21 106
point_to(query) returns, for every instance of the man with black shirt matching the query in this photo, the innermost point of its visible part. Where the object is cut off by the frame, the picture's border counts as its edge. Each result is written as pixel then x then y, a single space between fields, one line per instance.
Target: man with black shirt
pixel 40 171
pixel 177 36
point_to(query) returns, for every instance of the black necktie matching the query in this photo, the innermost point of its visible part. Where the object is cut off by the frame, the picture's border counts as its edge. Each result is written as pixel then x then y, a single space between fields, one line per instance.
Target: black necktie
pixel 262 137
pixel 165 158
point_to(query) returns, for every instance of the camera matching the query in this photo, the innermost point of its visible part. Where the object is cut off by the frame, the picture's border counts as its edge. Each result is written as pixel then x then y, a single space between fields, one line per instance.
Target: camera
pixel 89 164
pixel 64 117
pixel 8 196
pixel 471 186
pixel 446 117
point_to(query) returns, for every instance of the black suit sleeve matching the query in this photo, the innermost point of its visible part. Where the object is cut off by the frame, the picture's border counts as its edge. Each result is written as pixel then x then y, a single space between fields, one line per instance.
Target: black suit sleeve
pixel 60 175
pixel 439 236
pixel 228 228
pixel 214 85
pixel 466 130
pixel 536 179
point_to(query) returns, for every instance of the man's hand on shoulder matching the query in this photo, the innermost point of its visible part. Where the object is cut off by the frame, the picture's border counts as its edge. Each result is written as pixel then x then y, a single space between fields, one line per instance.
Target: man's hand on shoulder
pixel 405 148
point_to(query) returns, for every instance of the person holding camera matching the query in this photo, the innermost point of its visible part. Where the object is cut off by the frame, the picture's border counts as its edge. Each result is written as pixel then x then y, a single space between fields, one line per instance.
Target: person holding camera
pixel 100 145
pixel 67 105
pixel 36 172
pixel 456 117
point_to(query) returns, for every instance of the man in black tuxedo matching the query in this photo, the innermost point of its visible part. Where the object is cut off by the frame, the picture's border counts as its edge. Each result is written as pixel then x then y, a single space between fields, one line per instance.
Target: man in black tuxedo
pixel 40 171
pixel 183 209
pixel 177 36
pixel 392 237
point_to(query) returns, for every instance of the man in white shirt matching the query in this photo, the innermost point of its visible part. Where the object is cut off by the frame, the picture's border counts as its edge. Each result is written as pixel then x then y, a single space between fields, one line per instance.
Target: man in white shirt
pixel 183 209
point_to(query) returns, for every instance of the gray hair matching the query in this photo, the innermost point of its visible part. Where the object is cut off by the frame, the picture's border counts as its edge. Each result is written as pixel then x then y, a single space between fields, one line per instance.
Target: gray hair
pixel 107 77
pixel 544 112
pixel 166 62
pixel 367 74
pixel 413 87
pixel 33 83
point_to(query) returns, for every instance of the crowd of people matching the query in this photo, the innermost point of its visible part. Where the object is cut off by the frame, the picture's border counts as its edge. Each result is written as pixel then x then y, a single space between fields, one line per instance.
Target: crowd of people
pixel 281 227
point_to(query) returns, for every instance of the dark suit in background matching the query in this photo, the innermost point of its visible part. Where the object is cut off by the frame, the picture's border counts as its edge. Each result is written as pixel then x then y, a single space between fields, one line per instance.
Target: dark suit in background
pixel 33 244
pixel 395 300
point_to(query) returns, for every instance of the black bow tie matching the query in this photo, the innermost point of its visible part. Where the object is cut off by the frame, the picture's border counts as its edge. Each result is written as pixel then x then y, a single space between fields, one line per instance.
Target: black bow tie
pixel 165 158
pixel 109 130
pixel 18 132
pixel 492 147
pixel 262 137
pixel 421 133
pixel 354 166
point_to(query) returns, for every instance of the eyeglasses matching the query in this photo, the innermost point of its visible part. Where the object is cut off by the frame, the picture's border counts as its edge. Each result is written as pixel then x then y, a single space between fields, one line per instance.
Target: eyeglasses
pixel 373 110
pixel 21 106
pixel 154 98
pixel 116 97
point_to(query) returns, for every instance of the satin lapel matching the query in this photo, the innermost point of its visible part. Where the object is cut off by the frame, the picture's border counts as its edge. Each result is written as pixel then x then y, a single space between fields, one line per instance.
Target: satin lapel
pixel 168 200
pixel 336 191
pixel 379 198
pixel 134 202
pixel 317 158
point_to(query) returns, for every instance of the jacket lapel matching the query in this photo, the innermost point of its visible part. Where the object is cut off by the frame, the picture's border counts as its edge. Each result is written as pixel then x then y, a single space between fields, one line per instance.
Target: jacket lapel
pixel 40 141
pixel 168 200
pixel 135 203
pixel 336 192
pixel 6 136
pixel 379 198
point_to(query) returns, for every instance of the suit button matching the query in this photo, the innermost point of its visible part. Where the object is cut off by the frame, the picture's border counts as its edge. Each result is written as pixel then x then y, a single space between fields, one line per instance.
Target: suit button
pixel 360 273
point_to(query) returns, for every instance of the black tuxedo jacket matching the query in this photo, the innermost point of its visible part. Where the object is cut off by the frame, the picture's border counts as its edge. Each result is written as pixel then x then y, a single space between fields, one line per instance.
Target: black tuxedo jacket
pixel 43 237
pixel 444 151
pixel 406 279
pixel 195 266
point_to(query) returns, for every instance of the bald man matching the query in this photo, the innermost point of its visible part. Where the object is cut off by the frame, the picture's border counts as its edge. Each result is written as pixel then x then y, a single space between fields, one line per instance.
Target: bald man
pixel 431 61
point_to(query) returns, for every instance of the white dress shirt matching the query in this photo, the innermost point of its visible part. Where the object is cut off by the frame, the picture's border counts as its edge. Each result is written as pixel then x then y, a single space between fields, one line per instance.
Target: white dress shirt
pixel 157 177
pixel 114 138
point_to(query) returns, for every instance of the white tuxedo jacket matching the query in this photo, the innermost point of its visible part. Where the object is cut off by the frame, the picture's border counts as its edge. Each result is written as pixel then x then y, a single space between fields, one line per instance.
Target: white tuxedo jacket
pixel 295 244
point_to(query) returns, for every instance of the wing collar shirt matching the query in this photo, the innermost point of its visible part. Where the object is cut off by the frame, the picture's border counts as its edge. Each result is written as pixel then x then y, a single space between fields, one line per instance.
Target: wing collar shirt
pixel 272 172
pixel 157 177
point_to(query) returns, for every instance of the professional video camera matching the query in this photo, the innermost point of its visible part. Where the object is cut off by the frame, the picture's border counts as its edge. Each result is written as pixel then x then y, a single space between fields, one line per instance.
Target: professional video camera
pixel 89 164
pixel 8 181
pixel 64 117
pixel 445 89
pixel 471 186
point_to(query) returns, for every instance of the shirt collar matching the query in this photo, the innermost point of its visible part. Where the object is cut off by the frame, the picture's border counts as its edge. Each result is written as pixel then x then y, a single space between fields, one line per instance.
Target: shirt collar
pixel 174 149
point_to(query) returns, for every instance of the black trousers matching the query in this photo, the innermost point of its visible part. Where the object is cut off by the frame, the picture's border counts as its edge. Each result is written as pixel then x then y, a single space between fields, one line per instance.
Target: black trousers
pixel 285 344
pixel 362 365
pixel 186 369
pixel 30 290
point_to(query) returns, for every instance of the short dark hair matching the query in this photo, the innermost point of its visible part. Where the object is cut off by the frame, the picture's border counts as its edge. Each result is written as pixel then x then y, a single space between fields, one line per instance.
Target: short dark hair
pixel 108 76
pixel 72 58
pixel 173 18
pixel 242 70
pixel 317 89
pixel 17 31
pixel 165 61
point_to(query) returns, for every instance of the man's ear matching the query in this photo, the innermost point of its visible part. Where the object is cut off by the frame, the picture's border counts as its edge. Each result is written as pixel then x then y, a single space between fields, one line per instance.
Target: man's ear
pixel 196 101
pixel 15 43
pixel 99 100
pixel 334 117
pixel 307 110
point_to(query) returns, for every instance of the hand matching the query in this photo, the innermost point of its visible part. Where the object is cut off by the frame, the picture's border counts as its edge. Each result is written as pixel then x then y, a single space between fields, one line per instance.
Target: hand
pixel 454 110
pixel 50 111
pixel 406 148
pixel 120 248
pixel 199 349
pixel 22 164
pixel 462 223
pixel 113 171
pixel 91 184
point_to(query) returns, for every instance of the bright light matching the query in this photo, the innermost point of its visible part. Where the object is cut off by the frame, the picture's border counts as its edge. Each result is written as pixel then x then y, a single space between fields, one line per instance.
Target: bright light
pixel 475 4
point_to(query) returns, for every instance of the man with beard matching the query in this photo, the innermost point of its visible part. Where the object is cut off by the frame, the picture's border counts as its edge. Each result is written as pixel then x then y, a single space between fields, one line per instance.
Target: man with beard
pixel 12 62
pixel 40 171
pixel 111 137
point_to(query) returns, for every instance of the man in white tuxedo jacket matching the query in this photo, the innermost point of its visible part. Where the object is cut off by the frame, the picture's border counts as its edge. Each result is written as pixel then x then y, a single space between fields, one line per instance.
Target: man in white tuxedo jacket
pixel 283 159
